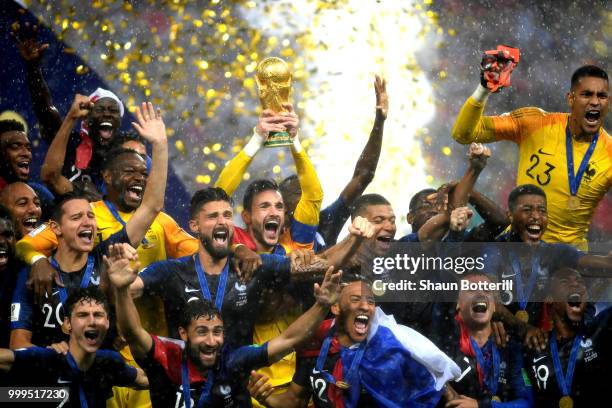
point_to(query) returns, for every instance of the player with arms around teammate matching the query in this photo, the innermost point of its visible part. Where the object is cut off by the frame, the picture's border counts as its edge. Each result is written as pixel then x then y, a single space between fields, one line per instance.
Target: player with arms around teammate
pixel 203 371
pixel 569 155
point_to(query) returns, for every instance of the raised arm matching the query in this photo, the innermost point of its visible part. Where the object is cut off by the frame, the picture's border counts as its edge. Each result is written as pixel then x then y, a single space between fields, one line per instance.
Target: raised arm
pixel 51 171
pixel 368 160
pixel 478 155
pixel 232 173
pixel 122 268
pixel 32 52
pixel 151 127
pixel 359 230
pixel 495 70
pixel 301 329
pixel 309 206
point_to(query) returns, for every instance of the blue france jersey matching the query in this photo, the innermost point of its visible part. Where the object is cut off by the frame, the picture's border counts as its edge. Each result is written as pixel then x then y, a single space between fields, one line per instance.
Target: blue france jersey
pixel 43 367
pixel 45 322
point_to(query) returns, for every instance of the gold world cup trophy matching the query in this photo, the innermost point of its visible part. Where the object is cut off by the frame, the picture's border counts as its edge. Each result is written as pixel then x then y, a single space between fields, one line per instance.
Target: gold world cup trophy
pixel 274 82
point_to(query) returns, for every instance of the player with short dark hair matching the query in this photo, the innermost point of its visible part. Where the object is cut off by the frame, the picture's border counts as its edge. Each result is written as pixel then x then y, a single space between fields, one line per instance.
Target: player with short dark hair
pixel 490 374
pixel 574 366
pixel 77 262
pixel 334 216
pixel 568 155
pixel 530 266
pixel 81 154
pixel 203 367
pixel 16 155
pixel 25 206
pixel 362 358
pixel 88 372
pixel 9 266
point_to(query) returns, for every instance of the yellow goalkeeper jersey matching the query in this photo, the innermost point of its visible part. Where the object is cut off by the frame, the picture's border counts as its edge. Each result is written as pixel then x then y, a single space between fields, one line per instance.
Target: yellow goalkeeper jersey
pixel 541 139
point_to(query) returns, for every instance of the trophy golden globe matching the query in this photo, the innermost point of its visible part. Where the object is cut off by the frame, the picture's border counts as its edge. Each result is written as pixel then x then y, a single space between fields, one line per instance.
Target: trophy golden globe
pixel 274 82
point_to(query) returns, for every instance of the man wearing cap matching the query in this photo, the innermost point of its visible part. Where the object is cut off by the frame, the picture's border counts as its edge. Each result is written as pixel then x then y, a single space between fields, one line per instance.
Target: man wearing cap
pixel 85 148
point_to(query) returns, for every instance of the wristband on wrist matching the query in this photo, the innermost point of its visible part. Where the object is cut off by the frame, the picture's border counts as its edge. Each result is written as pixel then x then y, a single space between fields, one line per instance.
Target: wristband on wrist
pixel 297 146
pixel 37 258
pixel 481 94
pixel 254 144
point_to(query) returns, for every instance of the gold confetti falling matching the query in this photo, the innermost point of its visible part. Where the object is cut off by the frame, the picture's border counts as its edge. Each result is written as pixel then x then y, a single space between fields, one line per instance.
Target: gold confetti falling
pixel 196 60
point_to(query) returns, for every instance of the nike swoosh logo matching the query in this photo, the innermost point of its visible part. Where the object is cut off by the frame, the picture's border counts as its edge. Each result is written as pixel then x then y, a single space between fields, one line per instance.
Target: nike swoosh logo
pixel 60 381
pixel 187 290
pixel 544 153
pixel 535 360
pixel 504 275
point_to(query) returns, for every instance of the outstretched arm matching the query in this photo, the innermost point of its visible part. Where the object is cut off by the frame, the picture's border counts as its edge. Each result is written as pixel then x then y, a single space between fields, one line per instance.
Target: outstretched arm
pixel 301 329
pixel 309 206
pixel 359 230
pixel 51 171
pixel 478 156
pixel 122 268
pixel 232 174
pixel 368 160
pixel 32 52
pixel 151 127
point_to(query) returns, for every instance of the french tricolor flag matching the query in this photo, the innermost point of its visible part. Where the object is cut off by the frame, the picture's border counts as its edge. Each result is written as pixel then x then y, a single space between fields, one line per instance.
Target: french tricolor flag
pixel 399 368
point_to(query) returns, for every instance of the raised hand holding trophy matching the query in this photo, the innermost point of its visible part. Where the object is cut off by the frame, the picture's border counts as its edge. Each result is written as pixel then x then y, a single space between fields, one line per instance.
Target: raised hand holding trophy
pixel 274 82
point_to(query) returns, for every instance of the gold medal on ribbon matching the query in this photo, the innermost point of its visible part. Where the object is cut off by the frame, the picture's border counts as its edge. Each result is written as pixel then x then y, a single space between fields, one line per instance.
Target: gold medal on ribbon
pixel 566 402
pixel 496 398
pixel 573 203
pixel 343 385
pixel 378 291
pixel 522 315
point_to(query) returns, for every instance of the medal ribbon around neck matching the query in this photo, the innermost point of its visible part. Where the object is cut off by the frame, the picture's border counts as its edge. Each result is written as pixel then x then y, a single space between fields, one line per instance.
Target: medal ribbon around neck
pixel 84 280
pixel 204 284
pixel 77 373
pixel 491 378
pixel 117 217
pixel 352 373
pixel 564 381
pixel 206 392
pixel 576 178
pixel 524 294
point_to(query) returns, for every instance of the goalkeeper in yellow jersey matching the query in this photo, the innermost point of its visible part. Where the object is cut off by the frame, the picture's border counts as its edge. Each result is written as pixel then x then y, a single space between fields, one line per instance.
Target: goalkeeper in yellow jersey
pixel 569 155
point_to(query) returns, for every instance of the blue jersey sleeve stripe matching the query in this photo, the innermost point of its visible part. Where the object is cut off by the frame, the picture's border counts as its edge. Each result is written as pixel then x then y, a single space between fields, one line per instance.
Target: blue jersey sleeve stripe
pixel 302 233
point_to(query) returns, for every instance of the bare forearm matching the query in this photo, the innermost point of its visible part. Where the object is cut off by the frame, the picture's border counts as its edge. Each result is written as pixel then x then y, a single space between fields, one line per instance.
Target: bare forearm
pixel 153 199
pixel 47 115
pixel 298 331
pixel 128 321
pixel 493 214
pixel 51 171
pixel 461 193
pixel 434 229
pixel 598 266
pixel 367 163
pixel 339 254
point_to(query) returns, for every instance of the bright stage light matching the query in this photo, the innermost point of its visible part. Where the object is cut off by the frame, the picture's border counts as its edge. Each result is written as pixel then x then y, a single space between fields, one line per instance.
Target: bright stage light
pixel 344 46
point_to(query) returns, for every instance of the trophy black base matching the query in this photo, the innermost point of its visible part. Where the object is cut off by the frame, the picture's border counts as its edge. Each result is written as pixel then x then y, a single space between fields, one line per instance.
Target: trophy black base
pixel 278 139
